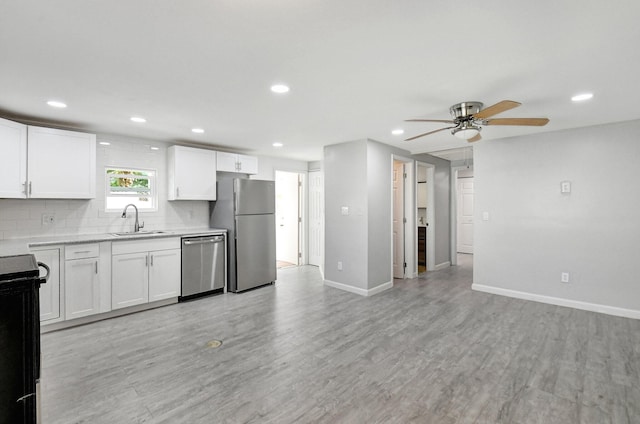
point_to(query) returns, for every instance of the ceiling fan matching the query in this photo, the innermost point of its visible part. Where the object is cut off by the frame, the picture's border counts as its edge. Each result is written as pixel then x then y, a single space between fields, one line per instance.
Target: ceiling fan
pixel 469 117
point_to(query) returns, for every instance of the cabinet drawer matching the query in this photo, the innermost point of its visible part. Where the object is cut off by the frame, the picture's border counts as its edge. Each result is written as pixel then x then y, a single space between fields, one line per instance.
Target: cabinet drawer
pixel 81 251
pixel 146 245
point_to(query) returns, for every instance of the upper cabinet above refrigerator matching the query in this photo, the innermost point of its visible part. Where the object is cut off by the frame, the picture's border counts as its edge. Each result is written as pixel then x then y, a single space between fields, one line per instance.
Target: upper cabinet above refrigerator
pixel 235 162
pixel 191 173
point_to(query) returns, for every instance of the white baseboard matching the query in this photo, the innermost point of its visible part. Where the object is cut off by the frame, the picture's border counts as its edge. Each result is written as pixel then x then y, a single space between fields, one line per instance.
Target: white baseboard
pixel 362 292
pixel 576 304
pixel 443 265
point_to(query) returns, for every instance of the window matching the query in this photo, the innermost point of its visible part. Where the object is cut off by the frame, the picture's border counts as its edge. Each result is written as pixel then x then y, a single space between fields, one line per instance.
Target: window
pixel 124 186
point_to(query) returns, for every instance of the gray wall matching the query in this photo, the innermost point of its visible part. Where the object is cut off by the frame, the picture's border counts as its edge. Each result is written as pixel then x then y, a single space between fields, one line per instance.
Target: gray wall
pixel 534 232
pixel 357 174
pixel 379 165
pixel 345 182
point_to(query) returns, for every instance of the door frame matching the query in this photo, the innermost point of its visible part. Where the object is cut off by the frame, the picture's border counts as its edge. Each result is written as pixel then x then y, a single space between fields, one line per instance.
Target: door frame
pixel 409 212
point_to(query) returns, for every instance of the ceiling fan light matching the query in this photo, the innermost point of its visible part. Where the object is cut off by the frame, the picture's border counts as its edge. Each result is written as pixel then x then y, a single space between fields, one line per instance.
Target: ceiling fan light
pixel 466 132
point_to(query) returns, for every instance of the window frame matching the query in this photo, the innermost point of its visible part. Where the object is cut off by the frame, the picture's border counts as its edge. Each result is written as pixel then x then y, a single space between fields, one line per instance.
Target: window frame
pixel 152 177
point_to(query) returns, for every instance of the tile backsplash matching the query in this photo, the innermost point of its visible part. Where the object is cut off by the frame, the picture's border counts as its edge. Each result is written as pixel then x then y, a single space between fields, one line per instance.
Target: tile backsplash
pixel 24 217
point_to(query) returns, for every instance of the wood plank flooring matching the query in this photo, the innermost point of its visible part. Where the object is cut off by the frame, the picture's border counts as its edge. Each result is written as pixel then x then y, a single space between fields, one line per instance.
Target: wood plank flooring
pixel 429 350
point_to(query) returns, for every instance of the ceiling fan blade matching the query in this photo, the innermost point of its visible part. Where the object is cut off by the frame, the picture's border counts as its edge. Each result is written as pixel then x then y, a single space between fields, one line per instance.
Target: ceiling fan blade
pixel 475 138
pixel 496 109
pixel 446 121
pixel 427 133
pixel 533 122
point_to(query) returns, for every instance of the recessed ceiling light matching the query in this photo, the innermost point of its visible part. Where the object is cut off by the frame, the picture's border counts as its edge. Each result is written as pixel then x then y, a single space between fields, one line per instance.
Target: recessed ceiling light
pixel 138 119
pixel 105 143
pixel 55 103
pixel 197 130
pixel 277 144
pixel 154 148
pixel 397 131
pixel 582 97
pixel 280 88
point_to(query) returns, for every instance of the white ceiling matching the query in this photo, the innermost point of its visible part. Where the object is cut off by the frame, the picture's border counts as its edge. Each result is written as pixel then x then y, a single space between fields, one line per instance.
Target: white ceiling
pixel 356 68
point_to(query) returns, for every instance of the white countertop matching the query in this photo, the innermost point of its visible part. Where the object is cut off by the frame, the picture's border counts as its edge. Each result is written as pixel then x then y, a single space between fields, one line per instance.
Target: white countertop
pixel 23 245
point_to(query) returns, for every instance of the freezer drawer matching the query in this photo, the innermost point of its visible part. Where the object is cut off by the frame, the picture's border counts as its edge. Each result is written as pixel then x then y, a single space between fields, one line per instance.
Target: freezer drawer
pixel 203 262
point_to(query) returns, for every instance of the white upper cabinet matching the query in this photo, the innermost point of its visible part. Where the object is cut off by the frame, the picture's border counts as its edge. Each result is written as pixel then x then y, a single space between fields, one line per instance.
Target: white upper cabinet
pixel 191 173
pixel 13 159
pixel 45 163
pixel 61 164
pixel 234 162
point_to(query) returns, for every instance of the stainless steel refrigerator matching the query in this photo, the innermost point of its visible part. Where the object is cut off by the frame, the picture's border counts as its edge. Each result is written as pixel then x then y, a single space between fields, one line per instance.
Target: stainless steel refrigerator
pixel 246 209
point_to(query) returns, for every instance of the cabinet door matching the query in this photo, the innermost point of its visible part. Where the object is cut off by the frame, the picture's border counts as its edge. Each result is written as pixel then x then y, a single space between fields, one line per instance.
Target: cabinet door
pixel 50 291
pixel 192 173
pixel 62 164
pixel 164 274
pixel 227 162
pixel 82 288
pixel 129 280
pixel 247 164
pixel 13 159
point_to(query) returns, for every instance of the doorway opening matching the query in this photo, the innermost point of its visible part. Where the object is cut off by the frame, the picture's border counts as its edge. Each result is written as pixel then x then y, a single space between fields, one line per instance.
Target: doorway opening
pixel 425 209
pixel 288 218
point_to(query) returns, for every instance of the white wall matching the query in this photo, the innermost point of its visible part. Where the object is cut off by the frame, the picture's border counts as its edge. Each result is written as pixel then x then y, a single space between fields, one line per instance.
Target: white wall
pixel 534 232
pixel 23 217
pixel 267 167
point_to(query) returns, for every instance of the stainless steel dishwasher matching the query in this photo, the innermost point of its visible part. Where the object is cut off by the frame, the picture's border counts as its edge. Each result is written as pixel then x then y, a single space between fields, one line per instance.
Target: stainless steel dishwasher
pixel 203 266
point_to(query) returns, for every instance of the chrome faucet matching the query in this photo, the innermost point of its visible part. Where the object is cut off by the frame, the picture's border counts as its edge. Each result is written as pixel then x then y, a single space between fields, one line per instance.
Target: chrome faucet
pixel 136 226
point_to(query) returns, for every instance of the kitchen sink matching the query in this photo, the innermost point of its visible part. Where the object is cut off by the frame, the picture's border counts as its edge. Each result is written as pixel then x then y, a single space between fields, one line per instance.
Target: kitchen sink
pixel 139 233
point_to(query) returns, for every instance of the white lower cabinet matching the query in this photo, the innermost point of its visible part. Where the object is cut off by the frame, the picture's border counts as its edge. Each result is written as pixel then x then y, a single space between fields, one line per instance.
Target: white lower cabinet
pixel 145 271
pixel 50 291
pixel 164 274
pixel 82 288
pixel 86 279
pixel 130 280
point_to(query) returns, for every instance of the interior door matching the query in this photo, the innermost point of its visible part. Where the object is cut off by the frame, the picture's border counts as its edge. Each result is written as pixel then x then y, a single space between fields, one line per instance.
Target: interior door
pixel 398 219
pixel 465 215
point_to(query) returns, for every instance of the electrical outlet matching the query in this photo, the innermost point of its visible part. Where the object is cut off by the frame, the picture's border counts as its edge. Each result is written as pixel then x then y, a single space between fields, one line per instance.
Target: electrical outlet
pixel 564 277
pixel 48 219
pixel 339 265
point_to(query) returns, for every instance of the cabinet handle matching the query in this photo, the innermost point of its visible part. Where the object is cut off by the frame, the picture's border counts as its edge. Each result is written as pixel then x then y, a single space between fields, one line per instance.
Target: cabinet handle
pixel 96 267
pixel 151 260
pixel 146 261
pixel 29 188
pixel 177 191
pixel 25 191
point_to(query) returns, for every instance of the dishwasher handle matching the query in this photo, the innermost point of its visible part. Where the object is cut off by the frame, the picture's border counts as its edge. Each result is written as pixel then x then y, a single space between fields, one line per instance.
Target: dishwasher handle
pixel 190 242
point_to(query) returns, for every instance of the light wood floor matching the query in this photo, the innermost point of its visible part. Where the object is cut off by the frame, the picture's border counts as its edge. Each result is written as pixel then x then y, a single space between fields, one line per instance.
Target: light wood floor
pixel 429 350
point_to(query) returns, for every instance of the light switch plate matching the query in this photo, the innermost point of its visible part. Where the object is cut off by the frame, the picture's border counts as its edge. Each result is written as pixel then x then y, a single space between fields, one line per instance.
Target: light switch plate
pixel 565 187
pixel 344 210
